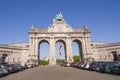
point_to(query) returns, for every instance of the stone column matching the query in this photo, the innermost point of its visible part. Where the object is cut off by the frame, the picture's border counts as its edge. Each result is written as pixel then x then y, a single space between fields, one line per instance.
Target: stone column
pixel 84 47
pixel 36 50
pixel 69 49
pixel 52 59
pixel 30 46
pixel 32 49
pixel 89 48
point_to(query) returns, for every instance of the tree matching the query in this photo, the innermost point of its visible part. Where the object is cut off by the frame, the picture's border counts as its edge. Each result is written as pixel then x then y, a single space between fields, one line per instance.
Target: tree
pixel 76 58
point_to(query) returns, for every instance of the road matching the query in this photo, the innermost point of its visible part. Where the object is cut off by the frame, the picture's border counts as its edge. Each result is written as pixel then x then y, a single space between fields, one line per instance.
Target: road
pixel 59 73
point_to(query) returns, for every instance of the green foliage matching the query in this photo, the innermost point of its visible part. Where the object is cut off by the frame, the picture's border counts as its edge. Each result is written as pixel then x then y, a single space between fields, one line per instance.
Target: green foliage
pixel 44 62
pixel 76 58
pixel 59 60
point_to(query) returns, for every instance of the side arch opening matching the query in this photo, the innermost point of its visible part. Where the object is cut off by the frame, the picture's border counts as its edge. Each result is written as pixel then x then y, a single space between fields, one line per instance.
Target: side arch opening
pixel 43 52
pixel 77 50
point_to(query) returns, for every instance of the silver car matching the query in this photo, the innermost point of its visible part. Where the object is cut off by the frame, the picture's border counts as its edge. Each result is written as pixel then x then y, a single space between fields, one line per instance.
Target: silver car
pixel 3 70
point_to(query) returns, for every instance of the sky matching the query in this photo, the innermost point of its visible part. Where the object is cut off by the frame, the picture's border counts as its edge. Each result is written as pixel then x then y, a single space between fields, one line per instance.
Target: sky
pixel 101 16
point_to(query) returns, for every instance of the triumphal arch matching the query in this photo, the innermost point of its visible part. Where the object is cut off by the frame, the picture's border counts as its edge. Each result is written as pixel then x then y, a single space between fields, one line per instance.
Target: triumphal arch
pixel 59 30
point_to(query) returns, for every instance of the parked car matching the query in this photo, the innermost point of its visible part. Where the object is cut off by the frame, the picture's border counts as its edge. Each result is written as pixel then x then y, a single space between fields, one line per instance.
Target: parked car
pixel 24 67
pixel 18 67
pixel 109 67
pixel 106 67
pixel 14 68
pixel 88 65
pixel 75 64
pixel 9 68
pixel 116 68
pixel 96 66
pixel 71 64
pixel 29 65
pixel 81 65
pixel 92 65
pixel 34 65
pixel 3 70
pixel 66 64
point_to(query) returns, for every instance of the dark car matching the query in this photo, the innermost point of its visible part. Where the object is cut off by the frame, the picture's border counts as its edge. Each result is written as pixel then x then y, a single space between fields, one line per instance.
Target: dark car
pixel 109 67
pixel 96 66
pixel 76 64
pixel 106 67
pixel 14 68
pixel 116 68
pixel 24 67
pixel 92 66
pixel 9 68
pixel 71 64
pixel 18 67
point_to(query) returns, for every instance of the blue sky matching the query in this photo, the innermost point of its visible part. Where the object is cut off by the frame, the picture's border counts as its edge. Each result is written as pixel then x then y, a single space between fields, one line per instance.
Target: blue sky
pixel 101 16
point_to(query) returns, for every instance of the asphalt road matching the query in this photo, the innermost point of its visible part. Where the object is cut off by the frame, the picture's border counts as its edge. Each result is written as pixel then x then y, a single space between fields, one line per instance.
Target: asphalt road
pixel 59 73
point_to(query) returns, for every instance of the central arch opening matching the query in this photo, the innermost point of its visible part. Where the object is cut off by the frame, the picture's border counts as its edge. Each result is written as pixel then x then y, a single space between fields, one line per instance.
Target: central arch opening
pixel 43 52
pixel 61 55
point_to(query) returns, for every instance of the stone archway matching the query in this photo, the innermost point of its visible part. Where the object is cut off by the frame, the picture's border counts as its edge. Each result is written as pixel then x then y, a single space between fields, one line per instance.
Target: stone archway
pixel 79 43
pixel 59 30
pixel 60 41
pixel 41 50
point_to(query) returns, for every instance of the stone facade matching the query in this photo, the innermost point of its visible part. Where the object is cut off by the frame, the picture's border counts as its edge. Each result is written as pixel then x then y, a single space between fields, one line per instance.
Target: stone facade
pixel 15 53
pixel 59 31
pixel 105 51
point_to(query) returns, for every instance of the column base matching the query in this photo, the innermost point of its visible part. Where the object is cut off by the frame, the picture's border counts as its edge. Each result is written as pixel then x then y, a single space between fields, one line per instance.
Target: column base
pixel 52 61
pixel 70 59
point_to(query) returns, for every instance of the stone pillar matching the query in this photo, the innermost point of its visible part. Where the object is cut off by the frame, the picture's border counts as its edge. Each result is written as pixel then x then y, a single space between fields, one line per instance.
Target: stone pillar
pixel 69 49
pixel 52 59
pixel 84 47
pixel 31 49
pixel 36 51
pixel 36 47
pixel 87 52
pixel 89 46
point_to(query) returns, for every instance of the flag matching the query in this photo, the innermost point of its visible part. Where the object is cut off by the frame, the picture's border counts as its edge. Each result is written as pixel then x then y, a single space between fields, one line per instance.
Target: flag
pixel 60 49
pixel 0 58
